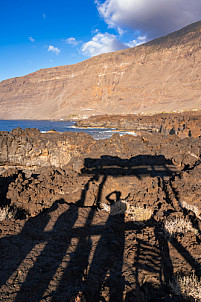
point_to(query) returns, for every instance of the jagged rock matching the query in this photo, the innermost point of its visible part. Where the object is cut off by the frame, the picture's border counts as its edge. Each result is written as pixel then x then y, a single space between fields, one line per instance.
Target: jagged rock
pixel 140 168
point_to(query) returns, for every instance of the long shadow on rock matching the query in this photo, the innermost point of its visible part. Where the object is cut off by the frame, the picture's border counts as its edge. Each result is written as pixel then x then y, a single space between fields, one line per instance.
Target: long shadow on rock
pixel 104 274
pixel 72 281
pixel 47 263
pixel 14 249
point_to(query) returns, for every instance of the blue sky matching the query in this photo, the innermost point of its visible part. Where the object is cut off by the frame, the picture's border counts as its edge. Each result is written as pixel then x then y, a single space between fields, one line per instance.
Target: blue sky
pixel 45 33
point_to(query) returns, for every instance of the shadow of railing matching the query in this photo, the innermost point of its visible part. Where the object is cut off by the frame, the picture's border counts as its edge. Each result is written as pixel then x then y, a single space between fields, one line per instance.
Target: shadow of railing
pixel 139 166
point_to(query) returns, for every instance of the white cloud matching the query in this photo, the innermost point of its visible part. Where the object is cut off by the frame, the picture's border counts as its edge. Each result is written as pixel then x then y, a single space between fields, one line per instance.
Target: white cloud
pixel 72 41
pixel 140 40
pixel 102 43
pixel 31 39
pixel 95 31
pixel 44 16
pixel 151 17
pixel 54 49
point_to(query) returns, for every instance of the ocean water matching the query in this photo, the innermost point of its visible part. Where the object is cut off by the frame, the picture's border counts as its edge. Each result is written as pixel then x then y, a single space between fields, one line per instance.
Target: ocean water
pixel 60 126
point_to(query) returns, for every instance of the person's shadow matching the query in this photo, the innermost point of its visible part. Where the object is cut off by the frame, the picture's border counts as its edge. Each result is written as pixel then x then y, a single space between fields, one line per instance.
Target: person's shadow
pixel 106 267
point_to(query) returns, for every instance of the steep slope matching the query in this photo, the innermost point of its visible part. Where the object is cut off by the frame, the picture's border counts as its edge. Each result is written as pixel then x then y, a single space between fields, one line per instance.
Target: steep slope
pixel 162 75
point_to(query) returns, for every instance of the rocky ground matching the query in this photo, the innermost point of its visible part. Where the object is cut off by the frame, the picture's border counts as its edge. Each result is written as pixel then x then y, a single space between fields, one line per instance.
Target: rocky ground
pixel 109 220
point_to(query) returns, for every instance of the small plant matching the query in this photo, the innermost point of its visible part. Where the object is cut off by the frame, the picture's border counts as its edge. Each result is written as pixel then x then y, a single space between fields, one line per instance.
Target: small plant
pixel 78 298
pixel 179 226
pixel 138 213
pixel 119 207
pixel 190 207
pixel 135 213
pixel 188 286
pixel 6 213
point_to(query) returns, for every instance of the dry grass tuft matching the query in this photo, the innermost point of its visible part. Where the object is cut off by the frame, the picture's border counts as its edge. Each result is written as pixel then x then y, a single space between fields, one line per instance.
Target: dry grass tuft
pixel 190 207
pixel 6 213
pixel 188 286
pixel 135 213
pixel 138 213
pixel 78 298
pixel 179 226
pixel 119 207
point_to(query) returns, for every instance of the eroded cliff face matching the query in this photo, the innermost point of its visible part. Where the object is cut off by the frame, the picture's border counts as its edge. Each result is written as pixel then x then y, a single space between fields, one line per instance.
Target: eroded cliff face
pixel 162 75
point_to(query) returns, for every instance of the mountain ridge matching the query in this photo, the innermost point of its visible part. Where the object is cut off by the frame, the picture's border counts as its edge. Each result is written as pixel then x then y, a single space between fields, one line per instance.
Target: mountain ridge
pixel 161 75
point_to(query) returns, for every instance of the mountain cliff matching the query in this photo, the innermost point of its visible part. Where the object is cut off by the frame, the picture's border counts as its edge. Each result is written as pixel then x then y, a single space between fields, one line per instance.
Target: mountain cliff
pixel 161 75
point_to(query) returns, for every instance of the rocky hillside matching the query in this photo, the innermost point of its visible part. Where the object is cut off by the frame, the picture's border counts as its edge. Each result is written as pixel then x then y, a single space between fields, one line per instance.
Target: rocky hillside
pixel 162 75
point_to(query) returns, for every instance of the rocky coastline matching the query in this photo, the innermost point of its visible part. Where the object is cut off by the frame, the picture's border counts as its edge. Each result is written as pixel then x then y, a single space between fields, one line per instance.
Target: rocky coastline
pixel 186 124
pixel 90 220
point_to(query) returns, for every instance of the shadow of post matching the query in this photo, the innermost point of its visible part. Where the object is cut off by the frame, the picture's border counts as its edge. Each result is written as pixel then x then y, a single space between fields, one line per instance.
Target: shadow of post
pixel 14 249
pixel 47 263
